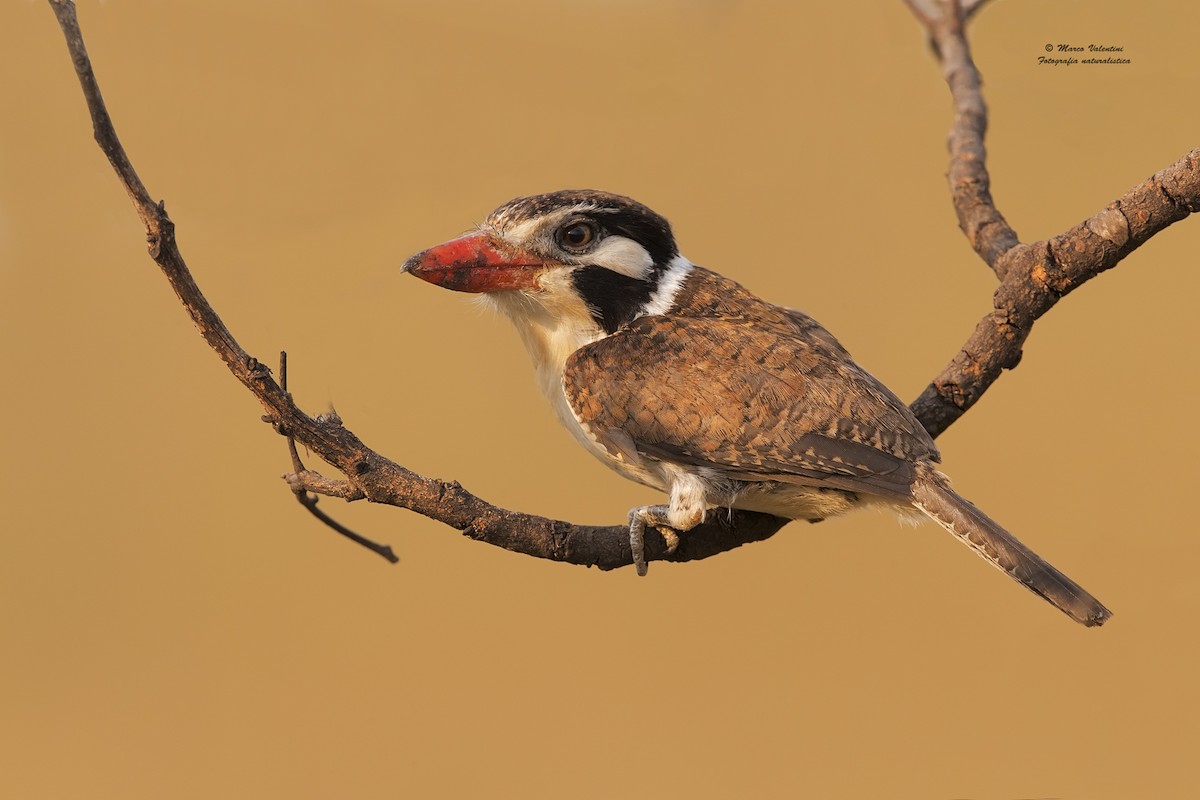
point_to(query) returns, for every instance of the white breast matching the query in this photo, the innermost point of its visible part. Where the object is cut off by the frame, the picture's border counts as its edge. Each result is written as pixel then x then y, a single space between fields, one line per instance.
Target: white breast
pixel 553 327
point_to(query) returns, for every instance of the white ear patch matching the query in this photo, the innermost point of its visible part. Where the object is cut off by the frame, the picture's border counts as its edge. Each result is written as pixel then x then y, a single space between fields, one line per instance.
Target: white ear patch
pixel 622 255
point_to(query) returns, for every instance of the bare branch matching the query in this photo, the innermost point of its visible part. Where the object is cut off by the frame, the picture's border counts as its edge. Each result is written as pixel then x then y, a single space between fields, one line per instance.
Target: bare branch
pixel 1038 275
pixel 310 503
pixel 346 491
pixel 969 7
pixel 368 474
pixel 305 480
pixel 102 126
pixel 1033 278
pixel 922 11
pixel 988 232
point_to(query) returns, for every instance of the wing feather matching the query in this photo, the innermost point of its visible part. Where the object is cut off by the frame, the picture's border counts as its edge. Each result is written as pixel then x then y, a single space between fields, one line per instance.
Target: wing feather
pixel 755 400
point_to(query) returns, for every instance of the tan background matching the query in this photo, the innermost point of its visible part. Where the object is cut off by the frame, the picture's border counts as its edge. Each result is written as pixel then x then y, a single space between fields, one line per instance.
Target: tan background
pixel 173 625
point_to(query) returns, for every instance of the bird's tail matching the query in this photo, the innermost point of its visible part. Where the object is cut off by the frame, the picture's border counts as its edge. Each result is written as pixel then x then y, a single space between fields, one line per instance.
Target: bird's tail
pixel 933 496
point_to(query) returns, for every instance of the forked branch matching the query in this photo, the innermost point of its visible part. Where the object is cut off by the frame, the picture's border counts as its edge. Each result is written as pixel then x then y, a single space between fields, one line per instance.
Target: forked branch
pixel 1034 277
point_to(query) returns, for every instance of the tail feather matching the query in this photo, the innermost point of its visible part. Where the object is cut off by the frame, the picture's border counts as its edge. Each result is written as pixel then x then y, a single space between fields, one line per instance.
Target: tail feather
pixel 933 496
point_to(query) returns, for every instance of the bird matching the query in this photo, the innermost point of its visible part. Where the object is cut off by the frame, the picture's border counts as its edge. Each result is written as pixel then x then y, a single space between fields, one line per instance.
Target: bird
pixel 679 378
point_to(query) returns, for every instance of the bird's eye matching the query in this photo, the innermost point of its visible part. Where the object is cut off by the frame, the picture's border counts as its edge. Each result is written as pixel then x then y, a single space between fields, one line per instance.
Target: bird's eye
pixel 577 235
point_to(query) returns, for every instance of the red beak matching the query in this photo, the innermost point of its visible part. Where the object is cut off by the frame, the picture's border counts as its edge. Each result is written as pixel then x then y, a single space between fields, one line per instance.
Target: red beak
pixel 475 264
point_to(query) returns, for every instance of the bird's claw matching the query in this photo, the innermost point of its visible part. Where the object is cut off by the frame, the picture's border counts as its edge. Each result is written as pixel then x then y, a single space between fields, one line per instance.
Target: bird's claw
pixel 656 517
pixel 671 537
pixel 637 541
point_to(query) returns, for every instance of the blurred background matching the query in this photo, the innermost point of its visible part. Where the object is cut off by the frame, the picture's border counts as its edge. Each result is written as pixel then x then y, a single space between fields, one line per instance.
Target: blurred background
pixel 174 625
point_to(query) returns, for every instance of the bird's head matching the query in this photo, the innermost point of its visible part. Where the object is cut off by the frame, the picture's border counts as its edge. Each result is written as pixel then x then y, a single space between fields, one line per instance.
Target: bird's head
pixel 600 251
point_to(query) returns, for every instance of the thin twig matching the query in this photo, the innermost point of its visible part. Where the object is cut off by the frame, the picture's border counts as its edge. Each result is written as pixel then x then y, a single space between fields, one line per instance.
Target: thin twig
pixel 988 232
pixel 921 11
pixel 969 7
pixel 310 501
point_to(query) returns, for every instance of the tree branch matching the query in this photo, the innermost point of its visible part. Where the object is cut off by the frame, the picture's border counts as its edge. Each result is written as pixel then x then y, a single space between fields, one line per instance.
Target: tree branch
pixel 368 474
pixel 341 489
pixel 988 232
pixel 1033 278
pixel 971 6
pixel 1038 275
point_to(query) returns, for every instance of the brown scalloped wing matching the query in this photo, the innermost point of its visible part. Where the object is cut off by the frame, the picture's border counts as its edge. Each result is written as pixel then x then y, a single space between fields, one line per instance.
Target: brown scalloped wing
pixel 779 400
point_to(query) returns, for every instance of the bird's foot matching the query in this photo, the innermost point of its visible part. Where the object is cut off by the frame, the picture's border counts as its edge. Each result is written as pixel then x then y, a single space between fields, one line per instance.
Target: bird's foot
pixel 656 517
pixel 672 537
